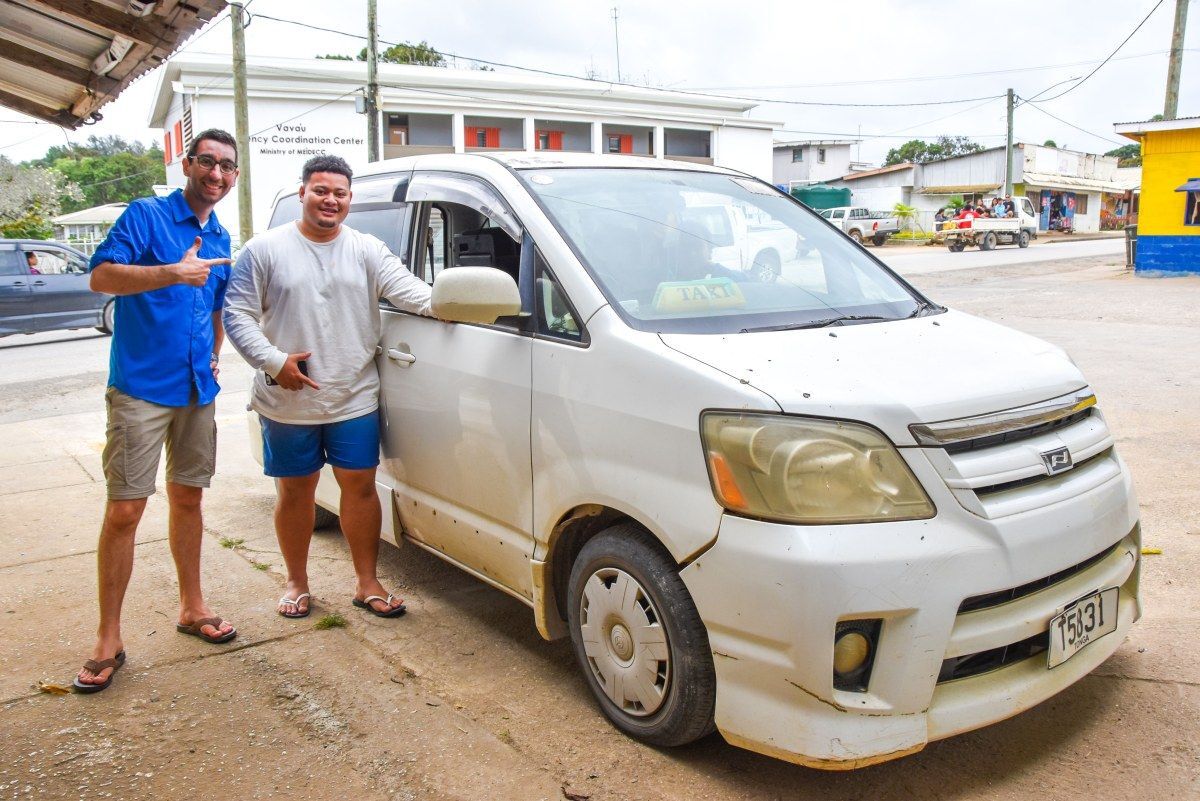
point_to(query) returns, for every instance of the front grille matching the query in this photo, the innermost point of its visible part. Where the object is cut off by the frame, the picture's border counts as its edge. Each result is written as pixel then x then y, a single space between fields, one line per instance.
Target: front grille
pixel 990 599
pixel 961 667
pixel 1017 435
pixel 992 489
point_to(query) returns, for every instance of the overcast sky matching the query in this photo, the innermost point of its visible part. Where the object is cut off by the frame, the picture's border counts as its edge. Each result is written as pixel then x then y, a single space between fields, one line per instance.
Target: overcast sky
pixel 869 51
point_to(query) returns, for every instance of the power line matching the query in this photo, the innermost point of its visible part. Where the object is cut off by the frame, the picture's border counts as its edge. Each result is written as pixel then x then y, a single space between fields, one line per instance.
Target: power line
pixel 1038 106
pixel 1105 61
pixel 653 88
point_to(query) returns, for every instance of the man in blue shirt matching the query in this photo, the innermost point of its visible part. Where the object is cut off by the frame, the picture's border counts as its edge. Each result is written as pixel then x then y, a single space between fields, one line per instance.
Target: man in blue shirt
pixel 167 261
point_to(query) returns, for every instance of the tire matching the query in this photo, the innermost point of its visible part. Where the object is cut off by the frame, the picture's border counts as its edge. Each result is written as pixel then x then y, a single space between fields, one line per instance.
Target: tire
pixel 626 637
pixel 956 247
pixel 766 267
pixel 1023 239
pixel 878 240
pixel 106 318
pixel 856 235
pixel 324 519
pixel 988 242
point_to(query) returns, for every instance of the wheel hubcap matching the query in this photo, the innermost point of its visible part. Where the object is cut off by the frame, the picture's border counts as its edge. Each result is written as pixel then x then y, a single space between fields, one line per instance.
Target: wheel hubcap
pixel 624 641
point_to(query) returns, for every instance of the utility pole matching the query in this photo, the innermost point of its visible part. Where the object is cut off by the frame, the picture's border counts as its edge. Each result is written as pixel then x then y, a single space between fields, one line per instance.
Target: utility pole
pixel 1175 65
pixel 1008 154
pixel 617 39
pixel 372 83
pixel 241 124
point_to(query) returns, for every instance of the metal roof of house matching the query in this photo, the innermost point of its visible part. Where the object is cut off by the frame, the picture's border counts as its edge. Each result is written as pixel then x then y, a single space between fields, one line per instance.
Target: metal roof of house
pixel 854 176
pixel 108 213
pixel 1071 183
pixel 958 189
pixel 62 60
pixel 1135 130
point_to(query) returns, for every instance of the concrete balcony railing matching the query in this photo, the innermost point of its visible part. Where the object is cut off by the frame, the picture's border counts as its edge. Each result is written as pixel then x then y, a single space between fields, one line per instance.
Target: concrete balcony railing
pixel 692 159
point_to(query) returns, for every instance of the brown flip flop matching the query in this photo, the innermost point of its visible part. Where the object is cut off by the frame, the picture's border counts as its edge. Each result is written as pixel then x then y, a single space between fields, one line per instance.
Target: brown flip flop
pixel 195 630
pixel 94 666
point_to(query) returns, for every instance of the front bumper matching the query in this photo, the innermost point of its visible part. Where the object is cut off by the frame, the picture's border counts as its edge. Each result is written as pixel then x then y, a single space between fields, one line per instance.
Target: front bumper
pixel 771 596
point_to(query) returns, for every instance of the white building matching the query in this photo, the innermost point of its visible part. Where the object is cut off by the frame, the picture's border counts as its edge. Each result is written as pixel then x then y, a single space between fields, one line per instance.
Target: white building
pixel 811 161
pixel 85 229
pixel 299 108
pixel 1063 184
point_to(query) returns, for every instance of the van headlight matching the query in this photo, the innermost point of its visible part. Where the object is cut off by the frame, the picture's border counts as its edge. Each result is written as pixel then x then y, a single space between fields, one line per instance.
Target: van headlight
pixel 808 470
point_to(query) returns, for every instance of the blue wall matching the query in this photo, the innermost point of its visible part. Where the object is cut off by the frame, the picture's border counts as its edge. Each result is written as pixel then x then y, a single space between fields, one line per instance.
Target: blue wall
pixel 1174 254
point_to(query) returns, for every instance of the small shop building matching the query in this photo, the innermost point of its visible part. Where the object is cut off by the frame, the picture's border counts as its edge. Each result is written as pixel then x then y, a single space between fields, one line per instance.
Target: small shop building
pixel 1168 223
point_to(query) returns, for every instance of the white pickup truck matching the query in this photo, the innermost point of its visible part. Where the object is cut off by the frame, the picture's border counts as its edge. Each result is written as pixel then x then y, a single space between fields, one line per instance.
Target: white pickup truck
pixel 863 225
pixel 986 233
pixel 753 243
pixel 823 515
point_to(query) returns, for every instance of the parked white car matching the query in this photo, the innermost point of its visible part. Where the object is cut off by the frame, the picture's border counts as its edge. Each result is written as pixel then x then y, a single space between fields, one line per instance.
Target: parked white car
pixel 823 515
pixel 863 225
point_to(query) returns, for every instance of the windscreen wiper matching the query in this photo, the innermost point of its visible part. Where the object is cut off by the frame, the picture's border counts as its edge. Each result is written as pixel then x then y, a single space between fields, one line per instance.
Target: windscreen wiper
pixel 819 323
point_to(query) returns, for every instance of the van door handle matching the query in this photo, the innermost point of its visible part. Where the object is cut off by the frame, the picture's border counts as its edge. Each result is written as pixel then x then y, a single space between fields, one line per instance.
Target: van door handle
pixel 402 358
pixel 39 283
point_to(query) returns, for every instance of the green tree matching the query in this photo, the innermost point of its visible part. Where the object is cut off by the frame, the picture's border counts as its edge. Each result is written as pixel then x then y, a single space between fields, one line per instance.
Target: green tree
pixel 918 151
pixel 906 215
pixel 1129 155
pixel 107 169
pixel 1049 143
pixel 30 197
pixel 423 54
pixel 336 57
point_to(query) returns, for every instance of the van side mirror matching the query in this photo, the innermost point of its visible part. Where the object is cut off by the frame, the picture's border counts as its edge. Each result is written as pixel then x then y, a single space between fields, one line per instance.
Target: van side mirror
pixel 475 295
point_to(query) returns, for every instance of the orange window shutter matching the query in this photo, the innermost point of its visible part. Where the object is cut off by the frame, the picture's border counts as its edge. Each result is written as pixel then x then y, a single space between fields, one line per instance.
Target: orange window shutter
pixel 472 136
pixel 492 137
pixel 167 147
pixel 179 138
pixel 626 143
pixel 556 140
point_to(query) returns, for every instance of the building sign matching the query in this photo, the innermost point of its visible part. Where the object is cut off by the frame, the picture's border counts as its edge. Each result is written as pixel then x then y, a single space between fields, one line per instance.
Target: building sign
pixel 303 140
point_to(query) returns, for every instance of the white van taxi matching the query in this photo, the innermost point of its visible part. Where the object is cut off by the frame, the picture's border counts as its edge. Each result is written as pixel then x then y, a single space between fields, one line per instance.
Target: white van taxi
pixel 797 502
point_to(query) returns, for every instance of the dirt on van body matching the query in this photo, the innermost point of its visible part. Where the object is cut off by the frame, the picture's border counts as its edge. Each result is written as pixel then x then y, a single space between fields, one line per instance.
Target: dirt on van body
pixel 461 699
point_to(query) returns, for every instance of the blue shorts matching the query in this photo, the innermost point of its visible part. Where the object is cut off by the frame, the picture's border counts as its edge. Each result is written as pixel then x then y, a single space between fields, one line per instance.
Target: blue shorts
pixel 291 450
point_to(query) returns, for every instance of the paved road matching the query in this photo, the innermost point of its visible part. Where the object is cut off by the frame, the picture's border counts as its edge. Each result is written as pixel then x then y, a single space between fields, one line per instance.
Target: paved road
pixel 915 259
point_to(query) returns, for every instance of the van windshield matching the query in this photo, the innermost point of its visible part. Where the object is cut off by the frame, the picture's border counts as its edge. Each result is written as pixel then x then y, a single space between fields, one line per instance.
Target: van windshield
pixel 680 251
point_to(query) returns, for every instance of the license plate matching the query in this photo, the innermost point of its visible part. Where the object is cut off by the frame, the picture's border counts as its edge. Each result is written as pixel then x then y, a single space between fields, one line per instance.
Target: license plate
pixel 1081 623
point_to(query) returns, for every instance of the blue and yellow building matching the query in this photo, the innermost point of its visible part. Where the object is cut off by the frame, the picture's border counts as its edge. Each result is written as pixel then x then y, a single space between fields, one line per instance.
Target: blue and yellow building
pixel 1169 217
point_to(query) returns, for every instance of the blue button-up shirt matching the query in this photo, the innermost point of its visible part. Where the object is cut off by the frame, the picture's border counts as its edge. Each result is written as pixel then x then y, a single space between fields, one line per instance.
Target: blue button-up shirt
pixel 163 339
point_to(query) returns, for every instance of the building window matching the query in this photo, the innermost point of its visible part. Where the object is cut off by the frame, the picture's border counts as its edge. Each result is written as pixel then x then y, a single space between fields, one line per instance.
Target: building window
pixel 1192 214
pixel 797 154
pixel 167 148
pixel 1081 204
pixel 179 138
pixel 820 155
pixel 549 140
pixel 482 137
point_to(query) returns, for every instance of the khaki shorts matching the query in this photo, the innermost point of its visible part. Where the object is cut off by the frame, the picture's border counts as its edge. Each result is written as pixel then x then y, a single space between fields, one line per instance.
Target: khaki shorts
pixel 137 430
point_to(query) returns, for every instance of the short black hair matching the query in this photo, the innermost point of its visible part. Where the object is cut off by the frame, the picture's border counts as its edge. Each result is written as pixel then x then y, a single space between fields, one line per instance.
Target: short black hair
pixel 216 135
pixel 335 164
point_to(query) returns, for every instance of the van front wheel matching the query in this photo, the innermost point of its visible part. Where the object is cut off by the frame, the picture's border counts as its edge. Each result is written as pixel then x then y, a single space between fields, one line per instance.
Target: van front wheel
pixel 639 639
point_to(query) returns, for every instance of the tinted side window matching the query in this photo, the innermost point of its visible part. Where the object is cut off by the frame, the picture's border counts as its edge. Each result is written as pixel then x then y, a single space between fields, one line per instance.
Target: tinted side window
pixel 286 210
pixel 11 263
pixel 388 223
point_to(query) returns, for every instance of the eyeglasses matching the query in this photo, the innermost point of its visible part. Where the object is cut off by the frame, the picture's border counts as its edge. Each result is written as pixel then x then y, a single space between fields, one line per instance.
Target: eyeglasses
pixel 207 162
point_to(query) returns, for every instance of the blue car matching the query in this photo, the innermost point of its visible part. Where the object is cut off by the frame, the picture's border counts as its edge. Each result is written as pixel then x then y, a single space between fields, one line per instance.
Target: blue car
pixel 44 287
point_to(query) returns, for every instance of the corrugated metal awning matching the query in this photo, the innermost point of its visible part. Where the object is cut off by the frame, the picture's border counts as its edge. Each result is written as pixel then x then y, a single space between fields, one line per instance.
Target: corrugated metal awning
pixel 1192 185
pixel 61 60
pixel 1070 183
pixel 962 189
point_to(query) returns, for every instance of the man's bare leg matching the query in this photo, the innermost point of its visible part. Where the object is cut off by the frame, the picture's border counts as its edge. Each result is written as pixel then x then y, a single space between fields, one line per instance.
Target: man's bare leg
pixel 361 522
pixel 294 513
pixel 114 561
pixel 186 529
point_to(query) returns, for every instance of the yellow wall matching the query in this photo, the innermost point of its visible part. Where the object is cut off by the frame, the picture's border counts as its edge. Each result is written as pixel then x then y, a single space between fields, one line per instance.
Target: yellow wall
pixel 1169 158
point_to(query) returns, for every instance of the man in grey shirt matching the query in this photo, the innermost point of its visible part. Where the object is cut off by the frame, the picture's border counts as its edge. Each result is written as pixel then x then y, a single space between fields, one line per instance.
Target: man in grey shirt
pixel 303 309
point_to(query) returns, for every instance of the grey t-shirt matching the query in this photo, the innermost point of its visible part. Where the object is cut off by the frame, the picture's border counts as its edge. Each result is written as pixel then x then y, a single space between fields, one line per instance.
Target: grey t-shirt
pixel 288 294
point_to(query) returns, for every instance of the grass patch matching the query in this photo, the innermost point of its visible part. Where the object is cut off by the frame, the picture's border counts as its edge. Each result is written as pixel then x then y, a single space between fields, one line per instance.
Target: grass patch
pixel 912 236
pixel 232 542
pixel 333 620
pixel 261 565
